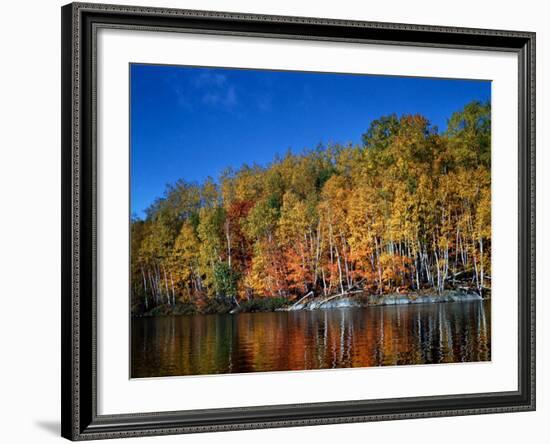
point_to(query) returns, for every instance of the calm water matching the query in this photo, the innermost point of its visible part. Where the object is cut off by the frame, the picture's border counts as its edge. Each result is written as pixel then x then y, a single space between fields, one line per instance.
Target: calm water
pixel 336 338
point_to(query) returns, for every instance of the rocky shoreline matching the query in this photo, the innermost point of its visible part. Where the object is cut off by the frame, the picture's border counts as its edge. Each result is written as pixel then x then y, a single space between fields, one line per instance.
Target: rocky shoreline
pixel 309 302
pixel 389 299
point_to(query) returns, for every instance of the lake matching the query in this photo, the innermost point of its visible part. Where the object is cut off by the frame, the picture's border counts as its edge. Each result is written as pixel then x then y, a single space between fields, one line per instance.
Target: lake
pixel 318 339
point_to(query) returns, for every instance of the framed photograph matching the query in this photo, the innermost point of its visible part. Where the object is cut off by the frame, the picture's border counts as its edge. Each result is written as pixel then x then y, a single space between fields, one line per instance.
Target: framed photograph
pixel 281 221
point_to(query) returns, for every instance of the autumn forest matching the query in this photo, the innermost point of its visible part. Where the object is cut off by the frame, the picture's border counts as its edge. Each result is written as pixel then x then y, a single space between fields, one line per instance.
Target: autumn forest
pixel 406 211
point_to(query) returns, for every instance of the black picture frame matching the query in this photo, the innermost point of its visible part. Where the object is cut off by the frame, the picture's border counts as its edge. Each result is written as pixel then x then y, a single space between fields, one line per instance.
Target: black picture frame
pixel 80 420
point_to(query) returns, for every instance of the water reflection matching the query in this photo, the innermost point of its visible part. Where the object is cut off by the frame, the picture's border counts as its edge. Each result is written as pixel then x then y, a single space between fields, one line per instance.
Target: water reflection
pixel 337 338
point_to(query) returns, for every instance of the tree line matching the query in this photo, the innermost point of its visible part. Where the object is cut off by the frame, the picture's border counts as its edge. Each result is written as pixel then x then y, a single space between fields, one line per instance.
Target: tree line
pixel 408 209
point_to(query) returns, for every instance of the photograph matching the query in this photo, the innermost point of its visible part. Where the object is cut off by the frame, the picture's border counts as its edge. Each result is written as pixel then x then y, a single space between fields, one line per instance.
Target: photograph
pixel 294 220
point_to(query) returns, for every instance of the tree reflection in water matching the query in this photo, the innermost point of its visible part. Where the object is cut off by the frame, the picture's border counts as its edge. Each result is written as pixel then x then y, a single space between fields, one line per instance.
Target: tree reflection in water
pixel 320 339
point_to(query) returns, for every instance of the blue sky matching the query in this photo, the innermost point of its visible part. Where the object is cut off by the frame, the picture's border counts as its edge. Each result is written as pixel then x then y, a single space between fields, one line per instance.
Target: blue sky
pixel 191 123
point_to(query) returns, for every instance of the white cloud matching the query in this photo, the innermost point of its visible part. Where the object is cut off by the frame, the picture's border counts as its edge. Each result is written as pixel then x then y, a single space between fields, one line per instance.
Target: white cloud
pixel 224 97
pixel 209 78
